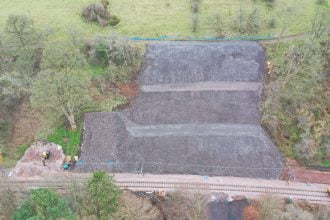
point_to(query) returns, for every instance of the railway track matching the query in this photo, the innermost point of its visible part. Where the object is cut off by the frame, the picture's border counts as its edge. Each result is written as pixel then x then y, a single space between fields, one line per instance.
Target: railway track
pixel 312 195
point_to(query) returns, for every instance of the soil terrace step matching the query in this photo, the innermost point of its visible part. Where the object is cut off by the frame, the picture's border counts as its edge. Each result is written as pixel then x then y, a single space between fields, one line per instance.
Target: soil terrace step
pixel 196 130
pixel 203 86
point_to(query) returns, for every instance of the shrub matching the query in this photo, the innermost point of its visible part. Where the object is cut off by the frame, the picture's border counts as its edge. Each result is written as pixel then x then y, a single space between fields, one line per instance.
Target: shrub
pixel 195 6
pixel 102 54
pixel 99 197
pixel 105 3
pixel 114 20
pixel 44 204
pixel 295 213
pixel 305 149
pixel 247 22
pixel 179 205
pixel 99 13
pixel 288 18
pixel 115 50
pixel 253 22
pixel 103 195
pixel 320 23
pixel 114 103
pixel 4 131
pixel 114 74
pixel 195 9
pixel 195 21
pixel 272 23
pixel 96 13
pixel 239 24
pixel 322 2
pixel 133 207
pixel 270 206
pixel 8 203
pixel 325 146
pixel 323 213
pixel 274 208
pixel 21 28
pixel 288 200
pixel 218 24
pixel 270 3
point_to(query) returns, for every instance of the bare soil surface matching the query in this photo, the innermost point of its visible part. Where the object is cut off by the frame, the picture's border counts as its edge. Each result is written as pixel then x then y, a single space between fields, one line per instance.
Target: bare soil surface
pixel 294 172
pixel 31 164
pixel 129 90
pixel 197 113
pixel 310 176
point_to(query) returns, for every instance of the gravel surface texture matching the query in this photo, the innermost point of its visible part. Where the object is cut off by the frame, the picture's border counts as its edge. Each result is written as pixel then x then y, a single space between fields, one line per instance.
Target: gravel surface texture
pixel 188 62
pixel 196 107
pixel 209 149
pixel 198 113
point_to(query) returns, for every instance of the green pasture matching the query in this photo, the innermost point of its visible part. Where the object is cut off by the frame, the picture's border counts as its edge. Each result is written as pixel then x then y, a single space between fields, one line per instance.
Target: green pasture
pixel 153 18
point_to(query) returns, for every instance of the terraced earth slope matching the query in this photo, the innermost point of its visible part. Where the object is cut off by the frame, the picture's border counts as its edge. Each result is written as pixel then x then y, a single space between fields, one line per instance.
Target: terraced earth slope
pixel 197 113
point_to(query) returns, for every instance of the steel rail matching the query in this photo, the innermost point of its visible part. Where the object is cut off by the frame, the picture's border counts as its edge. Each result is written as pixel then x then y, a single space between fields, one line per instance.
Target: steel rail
pixel 120 182
pixel 185 187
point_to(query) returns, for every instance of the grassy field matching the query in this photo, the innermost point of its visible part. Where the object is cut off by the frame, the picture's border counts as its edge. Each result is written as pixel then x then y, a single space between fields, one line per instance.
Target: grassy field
pixel 152 18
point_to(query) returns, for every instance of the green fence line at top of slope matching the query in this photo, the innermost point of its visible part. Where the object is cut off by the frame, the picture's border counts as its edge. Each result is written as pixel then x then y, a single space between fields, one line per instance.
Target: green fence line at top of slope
pixel 266 38
pixel 191 38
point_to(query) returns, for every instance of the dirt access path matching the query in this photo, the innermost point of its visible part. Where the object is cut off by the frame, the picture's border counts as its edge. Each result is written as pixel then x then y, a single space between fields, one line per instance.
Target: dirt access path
pixel 285 39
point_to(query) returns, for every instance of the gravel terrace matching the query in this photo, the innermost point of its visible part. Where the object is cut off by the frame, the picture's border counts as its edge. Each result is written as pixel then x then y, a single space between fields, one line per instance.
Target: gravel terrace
pixel 197 113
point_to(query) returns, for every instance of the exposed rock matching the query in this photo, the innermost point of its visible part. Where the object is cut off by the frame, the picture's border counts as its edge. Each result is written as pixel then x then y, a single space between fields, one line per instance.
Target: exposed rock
pixel 31 163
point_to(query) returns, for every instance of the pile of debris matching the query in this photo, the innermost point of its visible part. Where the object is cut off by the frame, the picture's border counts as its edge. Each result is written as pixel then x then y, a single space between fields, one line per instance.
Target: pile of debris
pixel 35 163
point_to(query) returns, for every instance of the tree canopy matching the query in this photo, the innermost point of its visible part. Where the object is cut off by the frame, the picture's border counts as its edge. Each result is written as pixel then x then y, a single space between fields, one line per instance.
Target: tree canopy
pixel 44 204
pixel 99 197
pixel 61 86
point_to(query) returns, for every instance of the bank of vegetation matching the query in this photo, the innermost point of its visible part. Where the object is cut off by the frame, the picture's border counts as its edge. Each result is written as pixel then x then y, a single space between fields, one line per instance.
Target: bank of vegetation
pixel 57 81
pixel 297 91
